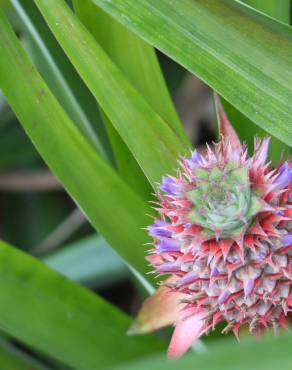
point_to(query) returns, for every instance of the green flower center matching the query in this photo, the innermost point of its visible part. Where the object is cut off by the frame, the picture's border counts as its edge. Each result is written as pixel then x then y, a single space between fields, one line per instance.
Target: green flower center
pixel 223 200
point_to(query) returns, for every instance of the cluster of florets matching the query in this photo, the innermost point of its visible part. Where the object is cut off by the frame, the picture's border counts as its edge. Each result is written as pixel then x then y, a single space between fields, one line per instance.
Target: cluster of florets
pixel 224 235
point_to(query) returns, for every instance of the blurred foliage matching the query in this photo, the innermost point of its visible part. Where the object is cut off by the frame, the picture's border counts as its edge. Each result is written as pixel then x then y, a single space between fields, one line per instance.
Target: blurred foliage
pixel 30 217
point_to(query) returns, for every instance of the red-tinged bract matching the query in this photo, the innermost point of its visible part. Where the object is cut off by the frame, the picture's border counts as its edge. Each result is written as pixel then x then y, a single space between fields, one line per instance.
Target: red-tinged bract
pixel 224 235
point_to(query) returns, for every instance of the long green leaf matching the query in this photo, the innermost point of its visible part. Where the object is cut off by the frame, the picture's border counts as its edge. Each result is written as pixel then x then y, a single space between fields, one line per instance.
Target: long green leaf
pixel 134 57
pixel 32 27
pixel 127 166
pixel 279 10
pixel 89 261
pixel 58 317
pixel 247 131
pixel 243 55
pixel 151 140
pixel 244 126
pixel 111 206
pixel 9 362
pixel 139 63
pixel 269 354
pixel 13 359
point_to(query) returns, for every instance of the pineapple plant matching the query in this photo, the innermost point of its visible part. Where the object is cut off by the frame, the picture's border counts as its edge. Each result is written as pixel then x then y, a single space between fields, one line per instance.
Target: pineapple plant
pixel 224 236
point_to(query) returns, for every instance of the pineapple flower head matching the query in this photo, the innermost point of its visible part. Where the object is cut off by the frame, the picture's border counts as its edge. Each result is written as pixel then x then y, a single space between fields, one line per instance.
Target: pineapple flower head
pixel 223 236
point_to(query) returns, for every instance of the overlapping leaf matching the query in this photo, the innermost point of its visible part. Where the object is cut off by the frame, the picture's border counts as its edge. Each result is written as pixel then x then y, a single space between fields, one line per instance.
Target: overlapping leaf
pixel 244 126
pixel 89 260
pixel 261 355
pixel 243 55
pixel 111 206
pixel 135 58
pixel 138 62
pixel 12 359
pixel 39 43
pixel 151 140
pixel 58 317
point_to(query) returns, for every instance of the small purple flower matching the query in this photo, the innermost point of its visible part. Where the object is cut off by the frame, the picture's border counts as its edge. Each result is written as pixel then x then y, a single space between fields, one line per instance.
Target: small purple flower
pixel 262 256
pixel 284 177
pixel 169 267
pixel 214 272
pixel 248 286
pixel 170 186
pixel 159 228
pixel 168 245
pixel 189 278
pixel 287 239
pixel 223 297
pixel 232 259
pixel 196 159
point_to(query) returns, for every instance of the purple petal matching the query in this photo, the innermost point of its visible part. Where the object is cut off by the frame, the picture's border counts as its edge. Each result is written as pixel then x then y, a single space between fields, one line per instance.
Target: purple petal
pixel 287 240
pixel 168 267
pixel 223 297
pixel 232 259
pixel 284 177
pixel 196 159
pixel 170 186
pixel 248 286
pixel 262 255
pixel 189 278
pixel 263 150
pixel 214 272
pixel 168 245
pixel 159 228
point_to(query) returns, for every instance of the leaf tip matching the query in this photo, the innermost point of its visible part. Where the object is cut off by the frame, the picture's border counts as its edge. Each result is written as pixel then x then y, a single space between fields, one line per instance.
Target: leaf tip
pixel 225 127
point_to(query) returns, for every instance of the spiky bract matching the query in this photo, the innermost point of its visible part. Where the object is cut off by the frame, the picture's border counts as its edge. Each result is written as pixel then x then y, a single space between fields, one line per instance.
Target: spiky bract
pixel 224 235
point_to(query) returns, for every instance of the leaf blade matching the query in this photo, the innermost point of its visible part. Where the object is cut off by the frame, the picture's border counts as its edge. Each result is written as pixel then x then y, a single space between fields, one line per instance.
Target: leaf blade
pixel 46 63
pixel 87 260
pixel 135 58
pixel 105 199
pixel 12 359
pixel 239 52
pixel 244 126
pixel 151 140
pixel 138 62
pixel 54 307
pixel 261 355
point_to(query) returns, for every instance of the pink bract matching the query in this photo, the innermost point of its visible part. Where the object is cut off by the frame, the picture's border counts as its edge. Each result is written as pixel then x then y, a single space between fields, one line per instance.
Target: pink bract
pixel 224 236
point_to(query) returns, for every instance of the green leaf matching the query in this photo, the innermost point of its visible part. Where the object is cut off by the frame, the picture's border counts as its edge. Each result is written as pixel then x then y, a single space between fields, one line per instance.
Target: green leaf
pixel 139 63
pixel 127 165
pixel 88 260
pixel 13 359
pixel 39 43
pixel 9 362
pixel 135 58
pixel 242 54
pixel 60 318
pixel 244 126
pixel 279 10
pixel 247 131
pixel 4 4
pixel 269 354
pixel 15 147
pixel 111 206
pixel 151 140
